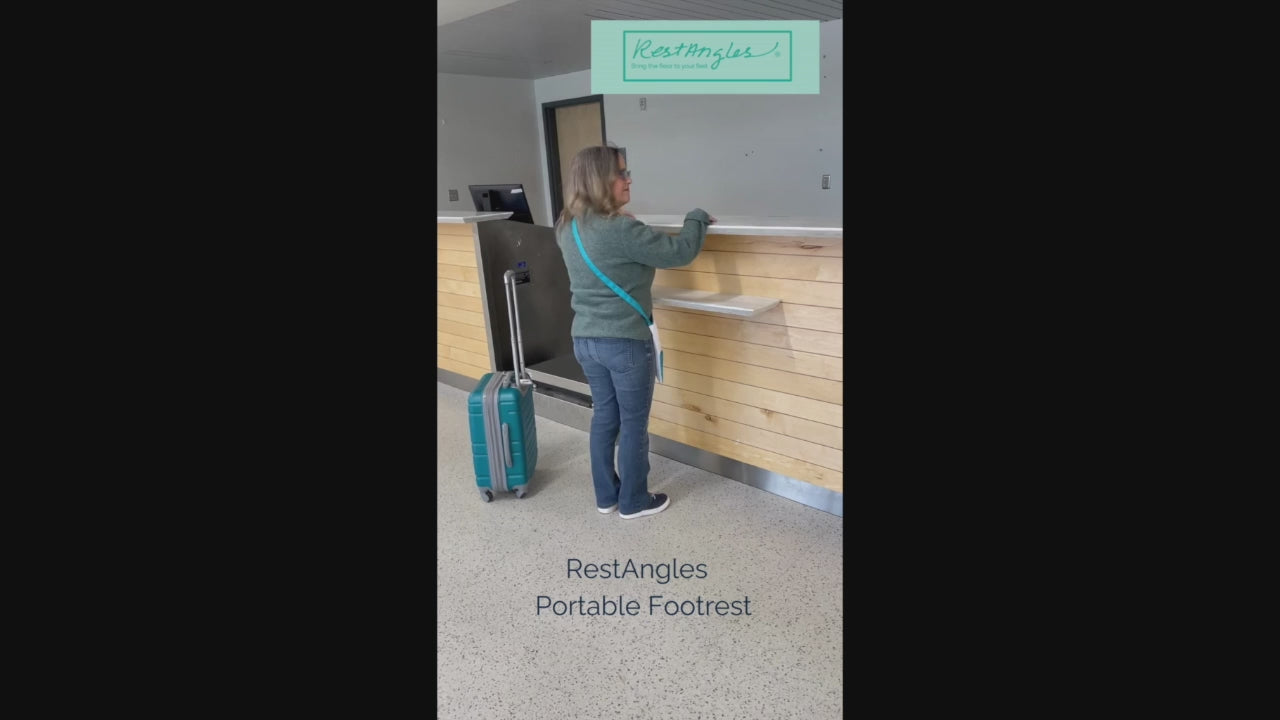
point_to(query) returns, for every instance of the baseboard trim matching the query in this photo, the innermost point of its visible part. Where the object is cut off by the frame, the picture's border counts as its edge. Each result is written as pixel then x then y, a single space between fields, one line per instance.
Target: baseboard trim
pixel 790 488
pixel 453 379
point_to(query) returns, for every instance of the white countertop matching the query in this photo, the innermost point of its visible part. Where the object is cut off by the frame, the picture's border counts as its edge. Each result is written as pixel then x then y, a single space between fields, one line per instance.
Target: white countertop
pixel 468 216
pixel 756 225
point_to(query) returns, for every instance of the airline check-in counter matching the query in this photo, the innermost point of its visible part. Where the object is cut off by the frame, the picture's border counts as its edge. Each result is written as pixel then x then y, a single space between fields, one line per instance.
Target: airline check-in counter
pixel 752 334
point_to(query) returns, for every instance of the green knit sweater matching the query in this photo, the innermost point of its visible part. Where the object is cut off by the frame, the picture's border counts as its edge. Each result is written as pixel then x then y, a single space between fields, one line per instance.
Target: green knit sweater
pixel 627 251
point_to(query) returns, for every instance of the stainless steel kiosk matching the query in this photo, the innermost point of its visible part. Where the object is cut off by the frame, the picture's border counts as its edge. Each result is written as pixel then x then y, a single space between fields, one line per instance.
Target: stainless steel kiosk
pixel 546 317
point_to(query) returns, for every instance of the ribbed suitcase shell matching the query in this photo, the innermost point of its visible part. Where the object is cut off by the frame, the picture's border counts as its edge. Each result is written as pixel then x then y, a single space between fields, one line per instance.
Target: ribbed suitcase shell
pixel 514 411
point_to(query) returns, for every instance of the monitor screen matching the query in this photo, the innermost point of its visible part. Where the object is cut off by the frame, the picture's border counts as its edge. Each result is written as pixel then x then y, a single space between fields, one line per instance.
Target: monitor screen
pixel 502 198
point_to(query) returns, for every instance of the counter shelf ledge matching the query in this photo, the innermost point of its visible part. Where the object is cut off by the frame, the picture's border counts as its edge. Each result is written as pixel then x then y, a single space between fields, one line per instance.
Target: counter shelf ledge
pixel 742 306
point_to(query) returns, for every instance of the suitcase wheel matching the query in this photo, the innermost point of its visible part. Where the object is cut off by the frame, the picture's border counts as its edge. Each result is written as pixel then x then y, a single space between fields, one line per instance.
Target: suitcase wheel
pixel 486 495
pixel 520 491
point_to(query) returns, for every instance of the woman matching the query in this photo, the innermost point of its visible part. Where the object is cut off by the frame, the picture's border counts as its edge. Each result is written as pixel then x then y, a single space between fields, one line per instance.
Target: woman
pixel 611 340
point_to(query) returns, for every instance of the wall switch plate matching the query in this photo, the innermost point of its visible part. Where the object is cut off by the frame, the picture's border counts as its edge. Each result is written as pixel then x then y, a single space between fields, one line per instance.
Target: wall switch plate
pixel 826 182
pixel 644 102
pixel 453 195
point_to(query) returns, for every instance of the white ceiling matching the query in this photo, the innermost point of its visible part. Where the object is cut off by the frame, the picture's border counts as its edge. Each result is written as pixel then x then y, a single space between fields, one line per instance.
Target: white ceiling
pixel 448 11
pixel 533 39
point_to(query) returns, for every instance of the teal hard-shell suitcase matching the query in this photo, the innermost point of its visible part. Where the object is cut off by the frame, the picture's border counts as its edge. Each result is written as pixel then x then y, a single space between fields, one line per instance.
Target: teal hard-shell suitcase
pixel 504 437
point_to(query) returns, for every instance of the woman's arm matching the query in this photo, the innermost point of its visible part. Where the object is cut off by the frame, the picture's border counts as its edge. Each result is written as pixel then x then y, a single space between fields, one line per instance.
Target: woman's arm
pixel 655 248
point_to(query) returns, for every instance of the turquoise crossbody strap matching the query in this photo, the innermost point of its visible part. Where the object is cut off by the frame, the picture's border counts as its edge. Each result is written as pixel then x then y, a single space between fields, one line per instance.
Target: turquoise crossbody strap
pixel 611 284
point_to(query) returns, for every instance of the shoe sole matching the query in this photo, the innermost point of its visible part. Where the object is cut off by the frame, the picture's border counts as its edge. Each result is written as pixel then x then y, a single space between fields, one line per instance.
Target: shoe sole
pixel 606 511
pixel 650 511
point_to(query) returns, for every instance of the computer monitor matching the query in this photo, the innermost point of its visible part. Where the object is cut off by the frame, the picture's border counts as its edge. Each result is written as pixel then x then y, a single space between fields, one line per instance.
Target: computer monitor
pixel 502 198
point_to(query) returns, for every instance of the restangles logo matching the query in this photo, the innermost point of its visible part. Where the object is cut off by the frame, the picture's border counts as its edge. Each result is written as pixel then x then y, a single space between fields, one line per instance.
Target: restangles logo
pixel 646 49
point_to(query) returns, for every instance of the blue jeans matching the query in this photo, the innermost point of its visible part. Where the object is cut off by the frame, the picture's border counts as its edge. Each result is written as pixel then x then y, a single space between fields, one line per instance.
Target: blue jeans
pixel 620 373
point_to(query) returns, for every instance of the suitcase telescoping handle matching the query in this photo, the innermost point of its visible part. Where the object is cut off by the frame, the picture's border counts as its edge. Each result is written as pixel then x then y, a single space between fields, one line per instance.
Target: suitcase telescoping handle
pixel 517 340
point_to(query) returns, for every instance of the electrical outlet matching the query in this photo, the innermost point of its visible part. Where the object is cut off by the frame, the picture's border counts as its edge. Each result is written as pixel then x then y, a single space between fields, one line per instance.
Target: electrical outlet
pixel 644 102
pixel 453 196
pixel 826 182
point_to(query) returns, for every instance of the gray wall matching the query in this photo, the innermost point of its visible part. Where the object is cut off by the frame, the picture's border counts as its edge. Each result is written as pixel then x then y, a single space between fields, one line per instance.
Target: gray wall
pixel 728 154
pixel 487 132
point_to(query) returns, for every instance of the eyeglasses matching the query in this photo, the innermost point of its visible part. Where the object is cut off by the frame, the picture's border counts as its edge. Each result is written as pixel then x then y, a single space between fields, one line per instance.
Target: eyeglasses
pixel 626 174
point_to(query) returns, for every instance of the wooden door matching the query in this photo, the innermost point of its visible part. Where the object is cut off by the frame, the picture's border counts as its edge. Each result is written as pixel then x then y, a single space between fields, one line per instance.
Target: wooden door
pixel 571 125
pixel 577 127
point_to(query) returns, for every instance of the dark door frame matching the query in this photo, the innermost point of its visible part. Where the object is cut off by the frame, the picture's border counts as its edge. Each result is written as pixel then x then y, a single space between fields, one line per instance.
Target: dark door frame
pixel 553 147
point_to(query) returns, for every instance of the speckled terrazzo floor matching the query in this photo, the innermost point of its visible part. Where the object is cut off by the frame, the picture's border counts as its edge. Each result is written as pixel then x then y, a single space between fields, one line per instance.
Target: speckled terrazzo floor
pixel 499 659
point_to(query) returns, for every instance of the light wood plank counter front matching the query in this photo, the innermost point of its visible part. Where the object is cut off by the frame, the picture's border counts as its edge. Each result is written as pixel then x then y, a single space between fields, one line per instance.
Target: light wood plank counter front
pixel 752 332
pixel 766 390
pixel 461 341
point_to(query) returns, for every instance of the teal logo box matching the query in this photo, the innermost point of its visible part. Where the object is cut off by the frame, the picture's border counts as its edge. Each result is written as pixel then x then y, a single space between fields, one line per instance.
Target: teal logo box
pixel 736 57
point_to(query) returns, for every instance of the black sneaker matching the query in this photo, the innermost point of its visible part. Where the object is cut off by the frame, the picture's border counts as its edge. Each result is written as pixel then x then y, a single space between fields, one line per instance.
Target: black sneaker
pixel 659 503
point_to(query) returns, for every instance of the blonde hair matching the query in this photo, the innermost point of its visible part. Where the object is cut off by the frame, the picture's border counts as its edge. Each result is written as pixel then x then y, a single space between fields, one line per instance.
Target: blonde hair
pixel 588 186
